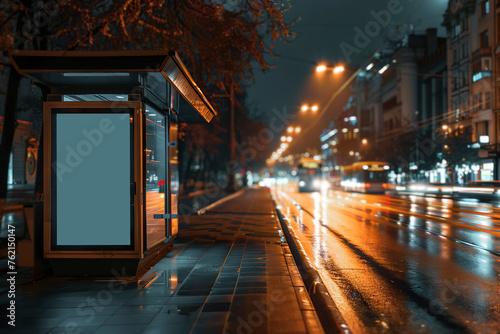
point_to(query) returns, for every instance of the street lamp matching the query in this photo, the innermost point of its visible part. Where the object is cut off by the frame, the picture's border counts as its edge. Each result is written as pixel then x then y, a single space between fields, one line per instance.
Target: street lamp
pixel 283 138
pixel 364 141
pixel 289 139
pixel 338 69
pixel 320 68
pixel 290 129
pixel 444 127
pixel 298 129
pixel 313 108
pixel 323 68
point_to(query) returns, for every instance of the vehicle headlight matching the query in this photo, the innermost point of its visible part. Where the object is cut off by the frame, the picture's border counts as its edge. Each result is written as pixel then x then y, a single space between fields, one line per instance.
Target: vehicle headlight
pixel 302 183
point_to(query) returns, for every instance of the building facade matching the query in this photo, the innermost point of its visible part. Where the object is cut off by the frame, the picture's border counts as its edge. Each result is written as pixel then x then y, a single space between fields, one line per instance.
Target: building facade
pixel 401 99
pixel 472 43
pixel 430 105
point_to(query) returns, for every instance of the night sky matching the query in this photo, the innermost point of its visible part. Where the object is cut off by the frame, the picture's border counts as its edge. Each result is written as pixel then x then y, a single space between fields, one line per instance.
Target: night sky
pixel 321 28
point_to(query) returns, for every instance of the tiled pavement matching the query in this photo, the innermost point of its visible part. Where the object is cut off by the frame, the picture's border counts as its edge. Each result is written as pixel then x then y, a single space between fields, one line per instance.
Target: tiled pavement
pixel 228 273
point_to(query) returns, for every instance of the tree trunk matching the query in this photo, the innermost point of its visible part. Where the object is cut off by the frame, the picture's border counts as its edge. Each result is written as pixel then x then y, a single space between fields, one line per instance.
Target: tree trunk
pixel 9 128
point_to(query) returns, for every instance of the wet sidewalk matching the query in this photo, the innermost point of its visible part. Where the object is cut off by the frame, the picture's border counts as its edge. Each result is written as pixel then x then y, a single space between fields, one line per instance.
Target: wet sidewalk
pixel 228 272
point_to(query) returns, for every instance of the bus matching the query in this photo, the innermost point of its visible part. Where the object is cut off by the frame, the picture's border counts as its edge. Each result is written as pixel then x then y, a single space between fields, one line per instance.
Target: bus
pixel 366 177
pixel 309 175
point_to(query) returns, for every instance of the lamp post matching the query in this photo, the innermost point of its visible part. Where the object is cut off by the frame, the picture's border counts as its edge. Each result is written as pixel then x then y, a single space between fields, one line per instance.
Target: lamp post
pixel 336 69
pixel 305 108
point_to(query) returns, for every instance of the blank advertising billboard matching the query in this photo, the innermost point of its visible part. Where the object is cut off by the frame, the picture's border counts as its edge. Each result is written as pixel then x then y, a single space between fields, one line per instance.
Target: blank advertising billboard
pixel 92 179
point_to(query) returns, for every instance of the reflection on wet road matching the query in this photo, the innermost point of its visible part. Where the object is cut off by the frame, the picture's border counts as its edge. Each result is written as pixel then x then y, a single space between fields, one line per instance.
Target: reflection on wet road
pixel 403 264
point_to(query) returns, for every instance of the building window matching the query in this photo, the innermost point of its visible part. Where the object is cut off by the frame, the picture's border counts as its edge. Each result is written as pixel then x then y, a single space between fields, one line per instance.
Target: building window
pixel 483 39
pixel 486 64
pixel 465 24
pixel 487 100
pixel 476 67
pixel 482 128
pixel 481 69
pixel 480 101
pixel 485 7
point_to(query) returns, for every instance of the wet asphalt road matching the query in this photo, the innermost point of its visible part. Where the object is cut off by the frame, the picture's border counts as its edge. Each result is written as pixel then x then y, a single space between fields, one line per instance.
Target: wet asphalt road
pixel 403 264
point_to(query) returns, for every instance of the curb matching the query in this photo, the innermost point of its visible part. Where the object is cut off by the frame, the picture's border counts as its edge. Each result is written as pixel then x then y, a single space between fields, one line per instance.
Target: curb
pixel 222 200
pixel 328 313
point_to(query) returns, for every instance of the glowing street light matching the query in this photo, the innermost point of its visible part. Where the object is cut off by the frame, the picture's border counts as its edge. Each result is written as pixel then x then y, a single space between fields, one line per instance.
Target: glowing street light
pixel 284 146
pixel 290 129
pixel 320 68
pixel 283 138
pixel 444 127
pixel 289 139
pixel 364 141
pixel 312 108
pixel 338 69
pixel 298 129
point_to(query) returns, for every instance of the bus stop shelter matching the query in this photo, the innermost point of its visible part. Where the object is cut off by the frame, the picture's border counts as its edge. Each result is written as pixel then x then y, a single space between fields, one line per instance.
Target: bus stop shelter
pixel 110 155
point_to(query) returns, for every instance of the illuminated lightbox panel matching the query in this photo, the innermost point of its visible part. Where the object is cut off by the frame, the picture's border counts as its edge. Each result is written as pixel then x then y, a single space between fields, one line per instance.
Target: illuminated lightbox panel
pixel 92 174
